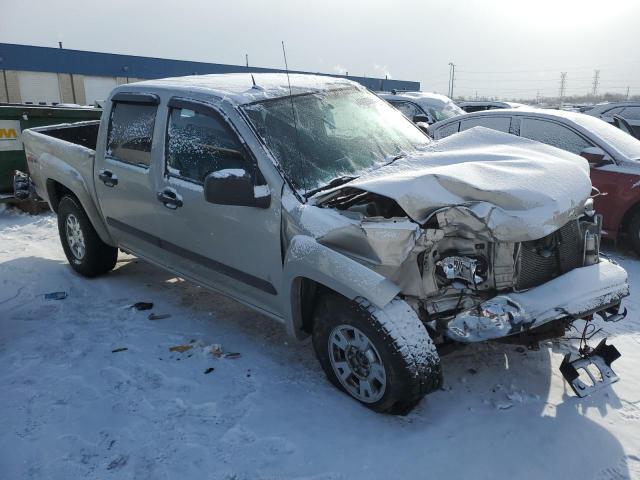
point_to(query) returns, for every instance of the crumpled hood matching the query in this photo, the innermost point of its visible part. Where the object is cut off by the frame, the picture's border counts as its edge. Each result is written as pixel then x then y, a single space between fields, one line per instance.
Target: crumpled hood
pixel 506 187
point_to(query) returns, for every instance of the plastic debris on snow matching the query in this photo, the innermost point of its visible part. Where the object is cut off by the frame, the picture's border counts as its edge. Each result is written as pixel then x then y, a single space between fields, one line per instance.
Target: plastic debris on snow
pixel 55 296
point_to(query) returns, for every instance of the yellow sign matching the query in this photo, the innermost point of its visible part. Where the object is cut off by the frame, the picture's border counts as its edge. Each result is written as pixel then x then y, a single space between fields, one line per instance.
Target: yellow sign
pixel 8 133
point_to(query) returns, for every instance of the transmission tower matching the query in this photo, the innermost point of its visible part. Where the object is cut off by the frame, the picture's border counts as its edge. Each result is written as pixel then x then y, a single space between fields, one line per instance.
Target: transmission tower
pixel 563 85
pixel 596 83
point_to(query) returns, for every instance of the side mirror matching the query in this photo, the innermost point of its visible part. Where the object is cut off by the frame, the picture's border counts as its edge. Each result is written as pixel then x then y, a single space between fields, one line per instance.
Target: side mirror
pixel 595 156
pixel 233 186
pixel 424 126
pixel 420 119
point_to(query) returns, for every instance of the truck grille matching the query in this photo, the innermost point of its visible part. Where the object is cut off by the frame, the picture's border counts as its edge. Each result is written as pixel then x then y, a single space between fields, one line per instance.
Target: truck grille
pixel 544 259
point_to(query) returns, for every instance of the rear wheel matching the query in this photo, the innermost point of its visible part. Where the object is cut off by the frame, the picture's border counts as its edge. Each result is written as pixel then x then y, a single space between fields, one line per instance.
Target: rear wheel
pixel 384 358
pixel 85 251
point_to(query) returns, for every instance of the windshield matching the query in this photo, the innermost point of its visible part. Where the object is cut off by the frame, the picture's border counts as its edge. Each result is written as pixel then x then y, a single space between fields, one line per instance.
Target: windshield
pixel 336 133
pixel 449 110
pixel 618 139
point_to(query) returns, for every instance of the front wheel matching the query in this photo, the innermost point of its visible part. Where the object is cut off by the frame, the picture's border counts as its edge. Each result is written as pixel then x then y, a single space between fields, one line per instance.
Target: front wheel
pixel 384 358
pixel 85 250
pixel 633 232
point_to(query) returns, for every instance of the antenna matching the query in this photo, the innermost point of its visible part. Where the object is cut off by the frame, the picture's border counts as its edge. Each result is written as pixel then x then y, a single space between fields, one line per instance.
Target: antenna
pixel 293 112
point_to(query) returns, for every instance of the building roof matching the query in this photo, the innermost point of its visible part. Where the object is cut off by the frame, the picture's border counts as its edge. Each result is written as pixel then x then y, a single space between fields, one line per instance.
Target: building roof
pixel 62 60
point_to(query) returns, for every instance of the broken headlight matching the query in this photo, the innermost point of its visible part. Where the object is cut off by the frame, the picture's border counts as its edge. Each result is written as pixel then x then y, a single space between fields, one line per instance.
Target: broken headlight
pixel 471 270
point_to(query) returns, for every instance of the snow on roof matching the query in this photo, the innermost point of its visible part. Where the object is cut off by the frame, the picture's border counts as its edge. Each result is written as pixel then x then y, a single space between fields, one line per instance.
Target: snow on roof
pixel 426 98
pixel 238 88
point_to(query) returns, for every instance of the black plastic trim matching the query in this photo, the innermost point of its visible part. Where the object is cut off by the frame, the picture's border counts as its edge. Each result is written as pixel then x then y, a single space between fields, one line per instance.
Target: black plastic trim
pixel 207 262
pixel 130 97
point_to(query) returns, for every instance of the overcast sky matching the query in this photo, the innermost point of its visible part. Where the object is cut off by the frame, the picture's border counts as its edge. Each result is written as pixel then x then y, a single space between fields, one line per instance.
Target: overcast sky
pixel 508 48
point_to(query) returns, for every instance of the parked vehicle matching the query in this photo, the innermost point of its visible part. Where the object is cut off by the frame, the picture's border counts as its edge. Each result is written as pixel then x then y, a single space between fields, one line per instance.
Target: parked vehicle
pixel 614 156
pixel 481 105
pixel 423 107
pixel 323 207
pixel 630 111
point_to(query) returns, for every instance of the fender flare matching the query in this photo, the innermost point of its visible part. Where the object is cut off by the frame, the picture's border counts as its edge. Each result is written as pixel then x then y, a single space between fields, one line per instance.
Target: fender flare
pixel 306 258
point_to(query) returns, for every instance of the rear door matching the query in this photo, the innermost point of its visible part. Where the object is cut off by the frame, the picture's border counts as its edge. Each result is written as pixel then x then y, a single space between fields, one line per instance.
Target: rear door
pixel 235 249
pixel 123 175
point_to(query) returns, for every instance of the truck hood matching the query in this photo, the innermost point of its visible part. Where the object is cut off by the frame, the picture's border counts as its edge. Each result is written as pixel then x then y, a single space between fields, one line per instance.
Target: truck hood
pixel 496 185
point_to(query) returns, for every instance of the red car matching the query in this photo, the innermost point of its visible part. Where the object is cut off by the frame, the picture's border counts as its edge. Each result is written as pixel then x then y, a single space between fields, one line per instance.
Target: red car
pixel 614 156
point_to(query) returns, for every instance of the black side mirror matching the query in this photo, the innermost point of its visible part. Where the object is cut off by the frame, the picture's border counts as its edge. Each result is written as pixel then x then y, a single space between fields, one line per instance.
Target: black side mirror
pixel 420 119
pixel 235 187
pixel 595 156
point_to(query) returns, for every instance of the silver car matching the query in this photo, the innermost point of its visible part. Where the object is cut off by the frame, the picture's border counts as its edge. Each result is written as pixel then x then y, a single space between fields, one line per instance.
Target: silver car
pixel 318 204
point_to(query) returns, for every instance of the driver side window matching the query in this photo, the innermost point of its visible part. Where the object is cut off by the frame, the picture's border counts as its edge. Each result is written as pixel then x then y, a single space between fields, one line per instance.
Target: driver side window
pixel 200 143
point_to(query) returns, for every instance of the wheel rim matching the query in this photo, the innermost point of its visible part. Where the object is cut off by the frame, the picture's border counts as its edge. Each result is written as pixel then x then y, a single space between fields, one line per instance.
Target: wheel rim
pixel 75 238
pixel 357 363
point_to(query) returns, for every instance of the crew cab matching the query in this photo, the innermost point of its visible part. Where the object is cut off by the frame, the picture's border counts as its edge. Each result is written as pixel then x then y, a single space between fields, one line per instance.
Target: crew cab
pixel 318 204
pixel 613 155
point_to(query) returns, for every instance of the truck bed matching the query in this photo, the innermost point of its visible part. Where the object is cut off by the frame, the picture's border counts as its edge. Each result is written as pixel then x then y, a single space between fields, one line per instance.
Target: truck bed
pixel 81 133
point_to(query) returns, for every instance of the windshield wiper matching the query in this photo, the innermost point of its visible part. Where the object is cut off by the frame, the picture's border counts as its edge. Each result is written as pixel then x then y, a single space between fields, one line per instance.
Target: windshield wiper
pixel 397 157
pixel 333 183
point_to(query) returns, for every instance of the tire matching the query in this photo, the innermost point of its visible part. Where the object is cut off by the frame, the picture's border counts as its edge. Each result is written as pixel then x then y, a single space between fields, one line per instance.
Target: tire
pixel 633 232
pixel 399 364
pixel 86 252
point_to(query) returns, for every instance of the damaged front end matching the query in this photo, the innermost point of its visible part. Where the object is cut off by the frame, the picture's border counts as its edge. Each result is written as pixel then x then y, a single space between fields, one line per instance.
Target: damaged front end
pixel 468 286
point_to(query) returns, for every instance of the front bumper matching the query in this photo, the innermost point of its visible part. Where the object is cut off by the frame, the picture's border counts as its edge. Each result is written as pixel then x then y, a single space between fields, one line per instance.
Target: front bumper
pixel 575 294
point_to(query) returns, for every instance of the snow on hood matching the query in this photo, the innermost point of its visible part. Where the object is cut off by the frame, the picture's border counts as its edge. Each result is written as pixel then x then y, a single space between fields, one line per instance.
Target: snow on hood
pixel 516 188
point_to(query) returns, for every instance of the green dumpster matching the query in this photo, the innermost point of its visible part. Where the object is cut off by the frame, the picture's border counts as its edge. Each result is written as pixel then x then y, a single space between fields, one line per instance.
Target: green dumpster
pixel 14 118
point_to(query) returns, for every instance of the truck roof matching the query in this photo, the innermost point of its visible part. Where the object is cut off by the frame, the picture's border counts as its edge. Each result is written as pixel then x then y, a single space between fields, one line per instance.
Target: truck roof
pixel 239 88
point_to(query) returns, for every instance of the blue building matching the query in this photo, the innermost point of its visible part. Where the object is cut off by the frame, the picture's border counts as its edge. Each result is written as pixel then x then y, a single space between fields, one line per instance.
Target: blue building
pixel 31 74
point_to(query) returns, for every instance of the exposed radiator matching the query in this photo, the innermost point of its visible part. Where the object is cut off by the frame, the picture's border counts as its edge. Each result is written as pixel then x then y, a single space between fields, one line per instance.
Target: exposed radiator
pixel 551 256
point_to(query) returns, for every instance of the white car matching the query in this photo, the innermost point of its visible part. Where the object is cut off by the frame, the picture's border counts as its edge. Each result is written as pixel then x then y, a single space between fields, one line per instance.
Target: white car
pixel 423 107
pixel 630 111
pixel 478 106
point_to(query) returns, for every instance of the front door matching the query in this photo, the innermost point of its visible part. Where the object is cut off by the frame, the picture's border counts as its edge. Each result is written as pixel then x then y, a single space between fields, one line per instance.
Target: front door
pixel 235 249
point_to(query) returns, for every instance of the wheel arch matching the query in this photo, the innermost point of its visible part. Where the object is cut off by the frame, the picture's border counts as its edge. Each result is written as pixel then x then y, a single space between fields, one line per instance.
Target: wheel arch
pixel 311 269
pixel 56 190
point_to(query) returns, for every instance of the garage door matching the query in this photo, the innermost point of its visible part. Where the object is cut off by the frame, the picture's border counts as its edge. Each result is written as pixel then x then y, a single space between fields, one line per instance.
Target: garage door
pixel 39 87
pixel 98 88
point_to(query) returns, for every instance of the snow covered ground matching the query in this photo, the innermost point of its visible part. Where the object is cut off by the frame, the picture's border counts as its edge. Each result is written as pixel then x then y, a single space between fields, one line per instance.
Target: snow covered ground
pixel 71 408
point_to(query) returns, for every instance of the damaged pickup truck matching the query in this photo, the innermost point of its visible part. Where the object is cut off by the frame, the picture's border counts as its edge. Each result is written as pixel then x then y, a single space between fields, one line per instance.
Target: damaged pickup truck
pixel 320 205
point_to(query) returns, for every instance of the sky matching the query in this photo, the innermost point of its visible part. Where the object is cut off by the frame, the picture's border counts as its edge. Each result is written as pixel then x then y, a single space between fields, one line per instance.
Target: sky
pixel 508 49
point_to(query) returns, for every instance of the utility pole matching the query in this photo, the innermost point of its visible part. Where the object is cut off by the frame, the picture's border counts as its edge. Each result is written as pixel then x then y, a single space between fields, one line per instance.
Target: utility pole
pixel 627 93
pixel 563 85
pixel 596 82
pixel 538 97
pixel 246 58
pixel 452 78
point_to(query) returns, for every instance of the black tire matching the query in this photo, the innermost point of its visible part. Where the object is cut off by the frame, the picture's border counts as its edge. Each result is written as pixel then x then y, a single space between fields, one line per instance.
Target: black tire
pixel 633 232
pixel 407 353
pixel 98 257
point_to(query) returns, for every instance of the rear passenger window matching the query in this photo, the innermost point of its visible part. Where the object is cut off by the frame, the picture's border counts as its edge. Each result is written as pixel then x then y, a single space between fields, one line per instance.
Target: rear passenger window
pixel 495 123
pixel 408 109
pixel 199 144
pixel 446 130
pixel 553 134
pixel 131 133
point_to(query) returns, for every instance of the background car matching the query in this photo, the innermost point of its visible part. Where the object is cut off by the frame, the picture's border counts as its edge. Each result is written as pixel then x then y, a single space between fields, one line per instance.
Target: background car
pixel 479 106
pixel 423 107
pixel 630 111
pixel 614 156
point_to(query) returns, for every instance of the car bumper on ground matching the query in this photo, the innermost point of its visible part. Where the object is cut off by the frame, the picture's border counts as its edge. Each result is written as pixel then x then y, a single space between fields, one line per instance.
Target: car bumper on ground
pixel 575 294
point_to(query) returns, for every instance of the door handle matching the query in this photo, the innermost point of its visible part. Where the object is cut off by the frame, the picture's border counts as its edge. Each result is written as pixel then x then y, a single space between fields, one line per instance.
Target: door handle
pixel 170 198
pixel 108 178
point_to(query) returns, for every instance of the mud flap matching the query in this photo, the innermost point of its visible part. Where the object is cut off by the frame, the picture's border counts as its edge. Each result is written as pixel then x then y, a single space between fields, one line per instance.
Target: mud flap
pixel 601 358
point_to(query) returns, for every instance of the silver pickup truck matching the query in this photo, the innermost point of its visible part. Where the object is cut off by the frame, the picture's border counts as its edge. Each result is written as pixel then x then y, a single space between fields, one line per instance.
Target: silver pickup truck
pixel 320 205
